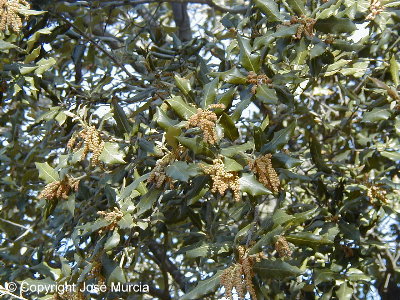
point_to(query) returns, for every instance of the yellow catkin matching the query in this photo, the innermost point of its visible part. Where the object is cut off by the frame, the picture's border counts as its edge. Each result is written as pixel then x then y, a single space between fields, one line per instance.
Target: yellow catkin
pixel 206 120
pixel 158 175
pixel 240 275
pixel 113 217
pixel 222 180
pixel 375 192
pixel 96 272
pixel 306 27
pixel 9 14
pixel 92 142
pixel 59 189
pixel 262 166
pixel 283 247
pixel 257 80
pixel 375 9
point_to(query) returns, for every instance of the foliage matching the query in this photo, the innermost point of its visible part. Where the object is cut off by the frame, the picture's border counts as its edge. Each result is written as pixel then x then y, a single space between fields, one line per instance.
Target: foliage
pixel 130 156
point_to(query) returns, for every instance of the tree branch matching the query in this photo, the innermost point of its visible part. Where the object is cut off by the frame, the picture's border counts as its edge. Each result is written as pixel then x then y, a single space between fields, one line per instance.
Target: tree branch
pixel 210 3
pixel 163 261
pixel 98 47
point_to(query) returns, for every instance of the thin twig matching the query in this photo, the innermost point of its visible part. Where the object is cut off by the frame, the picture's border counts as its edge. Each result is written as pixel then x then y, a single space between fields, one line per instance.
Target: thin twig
pixel 207 2
pixel 98 47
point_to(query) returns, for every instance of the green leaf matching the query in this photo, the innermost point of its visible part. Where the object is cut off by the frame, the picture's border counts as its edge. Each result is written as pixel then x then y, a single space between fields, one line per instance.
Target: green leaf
pixel 335 25
pixel 35 37
pixel 326 275
pixel 184 110
pixel 264 123
pixel 393 155
pixel 279 139
pixel 394 70
pixel 308 239
pixel 48 115
pixel 163 120
pixel 147 201
pixel 270 9
pixel 266 95
pixel 120 117
pixel 182 171
pixel 197 145
pixel 233 76
pixel 280 217
pixel 44 65
pixel 250 61
pixel 300 218
pixel 297 6
pixel 126 222
pixel 377 114
pixel 208 250
pixel 111 154
pixel 6 45
pixel 209 93
pixel 47 173
pixel 281 32
pixel 276 269
pixel 266 239
pixel 250 185
pixel 112 241
pixel 345 292
pixel 184 85
pixel 286 161
pixel 203 287
pixel 31 12
pixel 33 55
pixel 227 98
pixel 232 165
pixel 329 9
pixel 230 130
pixel 316 155
pixel 233 150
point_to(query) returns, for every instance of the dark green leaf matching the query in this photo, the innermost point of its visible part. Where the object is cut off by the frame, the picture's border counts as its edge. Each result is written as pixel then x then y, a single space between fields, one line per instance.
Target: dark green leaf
pixel 279 139
pixel 276 269
pixel 250 185
pixel 230 130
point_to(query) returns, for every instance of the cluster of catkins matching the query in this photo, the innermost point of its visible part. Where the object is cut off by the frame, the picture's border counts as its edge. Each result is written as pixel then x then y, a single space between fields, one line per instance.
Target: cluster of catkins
pixel 282 247
pixel 67 295
pixel 9 14
pixel 113 217
pixel 306 27
pixel 375 192
pixel 158 175
pixel 375 9
pixel 206 120
pixel 96 272
pixel 240 275
pixel 59 189
pixel 257 80
pixel 262 166
pixel 91 141
pixel 222 180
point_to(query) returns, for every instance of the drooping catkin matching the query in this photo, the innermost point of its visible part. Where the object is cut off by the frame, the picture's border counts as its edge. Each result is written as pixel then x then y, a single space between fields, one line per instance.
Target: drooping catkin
pixel 113 217
pixel 239 276
pixel 257 80
pixel 158 175
pixel 262 167
pixel 59 189
pixel 9 14
pixel 92 142
pixel 282 247
pixel 222 180
pixel 375 9
pixel 206 120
